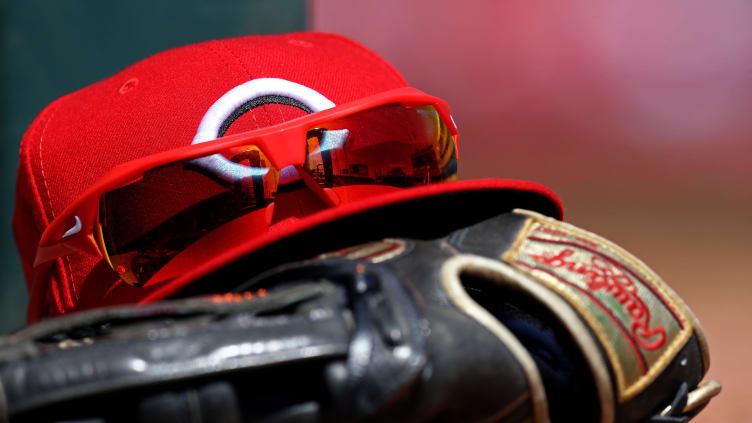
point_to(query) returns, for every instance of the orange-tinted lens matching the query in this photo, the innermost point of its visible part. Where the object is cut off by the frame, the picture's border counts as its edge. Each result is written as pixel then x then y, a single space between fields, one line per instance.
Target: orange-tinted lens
pixel 387 145
pixel 147 222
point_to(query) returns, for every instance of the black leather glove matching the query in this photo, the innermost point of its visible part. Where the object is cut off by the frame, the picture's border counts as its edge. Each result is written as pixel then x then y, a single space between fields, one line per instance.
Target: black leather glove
pixel 516 318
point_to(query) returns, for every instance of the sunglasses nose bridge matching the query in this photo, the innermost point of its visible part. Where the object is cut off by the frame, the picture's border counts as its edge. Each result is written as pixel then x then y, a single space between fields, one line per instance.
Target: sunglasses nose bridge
pixel 286 148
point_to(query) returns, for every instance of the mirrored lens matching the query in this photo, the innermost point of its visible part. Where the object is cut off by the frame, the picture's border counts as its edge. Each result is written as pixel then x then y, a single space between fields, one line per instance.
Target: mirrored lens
pixel 144 224
pixel 387 145
pixel 147 222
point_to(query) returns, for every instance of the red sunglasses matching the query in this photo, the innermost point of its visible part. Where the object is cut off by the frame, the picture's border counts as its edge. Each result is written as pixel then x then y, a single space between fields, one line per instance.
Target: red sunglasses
pixel 144 212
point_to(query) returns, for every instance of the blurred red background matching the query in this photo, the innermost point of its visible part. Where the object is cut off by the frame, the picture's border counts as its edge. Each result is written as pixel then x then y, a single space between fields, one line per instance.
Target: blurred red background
pixel 636 113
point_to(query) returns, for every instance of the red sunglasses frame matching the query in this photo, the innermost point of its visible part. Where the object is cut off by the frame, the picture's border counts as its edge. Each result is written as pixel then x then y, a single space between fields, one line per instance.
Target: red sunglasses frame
pixel 283 144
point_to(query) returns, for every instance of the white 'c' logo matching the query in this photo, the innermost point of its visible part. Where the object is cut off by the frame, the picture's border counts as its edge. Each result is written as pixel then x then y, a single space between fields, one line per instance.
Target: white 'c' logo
pixel 225 106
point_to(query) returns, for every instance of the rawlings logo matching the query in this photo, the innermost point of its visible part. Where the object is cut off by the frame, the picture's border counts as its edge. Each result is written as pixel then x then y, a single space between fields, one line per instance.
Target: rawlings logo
pixel 637 320
pixel 600 274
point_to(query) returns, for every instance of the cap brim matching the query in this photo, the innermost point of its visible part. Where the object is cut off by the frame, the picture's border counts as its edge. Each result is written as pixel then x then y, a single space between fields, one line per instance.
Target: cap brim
pixel 418 212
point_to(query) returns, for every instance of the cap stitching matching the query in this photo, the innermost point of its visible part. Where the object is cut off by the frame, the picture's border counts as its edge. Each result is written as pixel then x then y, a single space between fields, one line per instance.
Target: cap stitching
pixel 210 46
pixel 68 301
pixel 27 155
pixel 248 73
pixel 47 195
pixel 27 150
pixel 229 67
pixel 260 73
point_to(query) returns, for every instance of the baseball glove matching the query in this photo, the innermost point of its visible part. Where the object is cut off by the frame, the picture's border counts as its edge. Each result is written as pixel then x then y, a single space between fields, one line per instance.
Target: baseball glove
pixel 514 319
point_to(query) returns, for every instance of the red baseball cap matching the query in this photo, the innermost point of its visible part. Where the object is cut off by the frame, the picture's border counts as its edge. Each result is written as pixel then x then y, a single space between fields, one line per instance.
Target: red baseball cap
pixel 169 101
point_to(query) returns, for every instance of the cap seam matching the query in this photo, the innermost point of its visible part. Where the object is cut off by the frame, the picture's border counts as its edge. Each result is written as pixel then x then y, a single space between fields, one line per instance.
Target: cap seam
pixel 26 172
pixel 26 162
pixel 210 46
pixel 250 76
pixel 230 68
pixel 38 208
pixel 64 277
pixel 46 191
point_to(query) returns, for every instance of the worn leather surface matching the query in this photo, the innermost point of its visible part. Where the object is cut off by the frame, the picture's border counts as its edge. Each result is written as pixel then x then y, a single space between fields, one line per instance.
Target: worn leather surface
pixel 368 332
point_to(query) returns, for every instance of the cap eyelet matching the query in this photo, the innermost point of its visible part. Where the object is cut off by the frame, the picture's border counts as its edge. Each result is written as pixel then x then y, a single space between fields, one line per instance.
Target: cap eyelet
pixel 128 85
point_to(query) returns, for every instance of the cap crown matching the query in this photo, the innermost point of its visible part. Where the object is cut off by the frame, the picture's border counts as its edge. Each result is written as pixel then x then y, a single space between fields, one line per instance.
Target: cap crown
pixel 156 105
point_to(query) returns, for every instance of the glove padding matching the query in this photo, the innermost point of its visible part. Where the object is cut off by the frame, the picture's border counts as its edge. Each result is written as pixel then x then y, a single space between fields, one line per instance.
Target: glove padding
pixel 517 318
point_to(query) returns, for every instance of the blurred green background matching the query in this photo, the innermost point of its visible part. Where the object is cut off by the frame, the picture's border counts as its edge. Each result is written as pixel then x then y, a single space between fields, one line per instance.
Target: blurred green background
pixel 50 48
